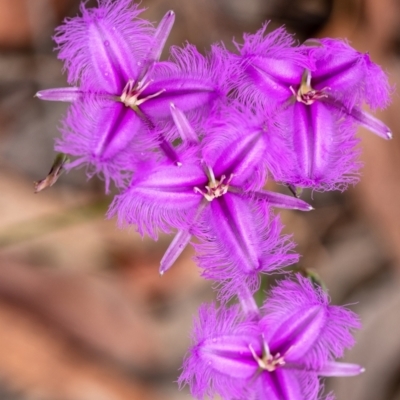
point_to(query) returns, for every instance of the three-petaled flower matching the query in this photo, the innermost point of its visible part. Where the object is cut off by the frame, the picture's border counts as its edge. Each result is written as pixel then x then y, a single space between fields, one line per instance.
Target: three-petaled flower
pixel 216 196
pixel 316 95
pixel 279 356
pixel 122 92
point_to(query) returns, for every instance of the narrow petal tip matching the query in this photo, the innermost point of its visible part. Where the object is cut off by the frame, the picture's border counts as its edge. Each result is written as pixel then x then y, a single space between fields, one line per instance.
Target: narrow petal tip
pixel 302 206
pixel 185 130
pixel 40 95
pixel 332 368
pixel 161 35
pixel 178 244
pixel 282 200
pixel 68 94
pixel 371 123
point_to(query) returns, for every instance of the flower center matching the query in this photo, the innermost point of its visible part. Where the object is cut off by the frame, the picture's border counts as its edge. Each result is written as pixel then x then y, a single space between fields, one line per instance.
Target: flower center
pixel 132 91
pixel 267 362
pixel 215 188
pixel 306 94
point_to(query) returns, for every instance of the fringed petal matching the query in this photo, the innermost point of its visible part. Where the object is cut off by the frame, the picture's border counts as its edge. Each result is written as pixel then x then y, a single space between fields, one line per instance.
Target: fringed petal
pixel 105 135
pixel 270 79
pixel 323 148
pixel 194 83
pixel 187 93
pixel 350 75
pixel 289 303
pixel 314 131
pixel 240 243
pixel 286 384
pixel 298 333
pixel 240 142
pixel 223 354
pixel 270 64
pixel 242 159
pixel 278 44
pixel 237 151
pixel 220 336
pixel 101 48
pixel 162 199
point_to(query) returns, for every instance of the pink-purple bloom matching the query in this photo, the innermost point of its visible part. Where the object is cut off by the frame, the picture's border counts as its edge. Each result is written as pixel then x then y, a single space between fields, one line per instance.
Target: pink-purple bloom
pixel 101 50
pixel 216 196
pixel 317 93
pixel 122 92
pixel 280 356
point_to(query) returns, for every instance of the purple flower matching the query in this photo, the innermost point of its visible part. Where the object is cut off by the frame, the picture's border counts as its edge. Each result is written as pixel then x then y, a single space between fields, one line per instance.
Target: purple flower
pixel 102 50
pixel 278 357
pixel 269 65
pixel 317 95
pixel 326 107
pixel 217 198
pixel 123 92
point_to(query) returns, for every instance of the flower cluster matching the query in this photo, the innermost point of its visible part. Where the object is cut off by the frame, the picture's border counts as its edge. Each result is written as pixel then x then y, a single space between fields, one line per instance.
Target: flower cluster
pixel 190 143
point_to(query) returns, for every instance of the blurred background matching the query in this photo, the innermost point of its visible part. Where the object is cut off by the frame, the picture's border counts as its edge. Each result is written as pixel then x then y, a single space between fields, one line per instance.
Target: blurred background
pixel 84 314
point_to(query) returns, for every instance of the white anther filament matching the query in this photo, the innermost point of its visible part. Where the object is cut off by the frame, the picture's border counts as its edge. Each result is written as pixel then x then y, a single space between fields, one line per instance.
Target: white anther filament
pixel 132 91
pixel 267 362
pixel 215 188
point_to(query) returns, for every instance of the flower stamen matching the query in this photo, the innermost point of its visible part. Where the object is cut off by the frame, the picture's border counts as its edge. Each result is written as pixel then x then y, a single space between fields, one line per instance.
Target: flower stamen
pixel 130 94
pixel 306 94
pixel 267 362
pixel 215 188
